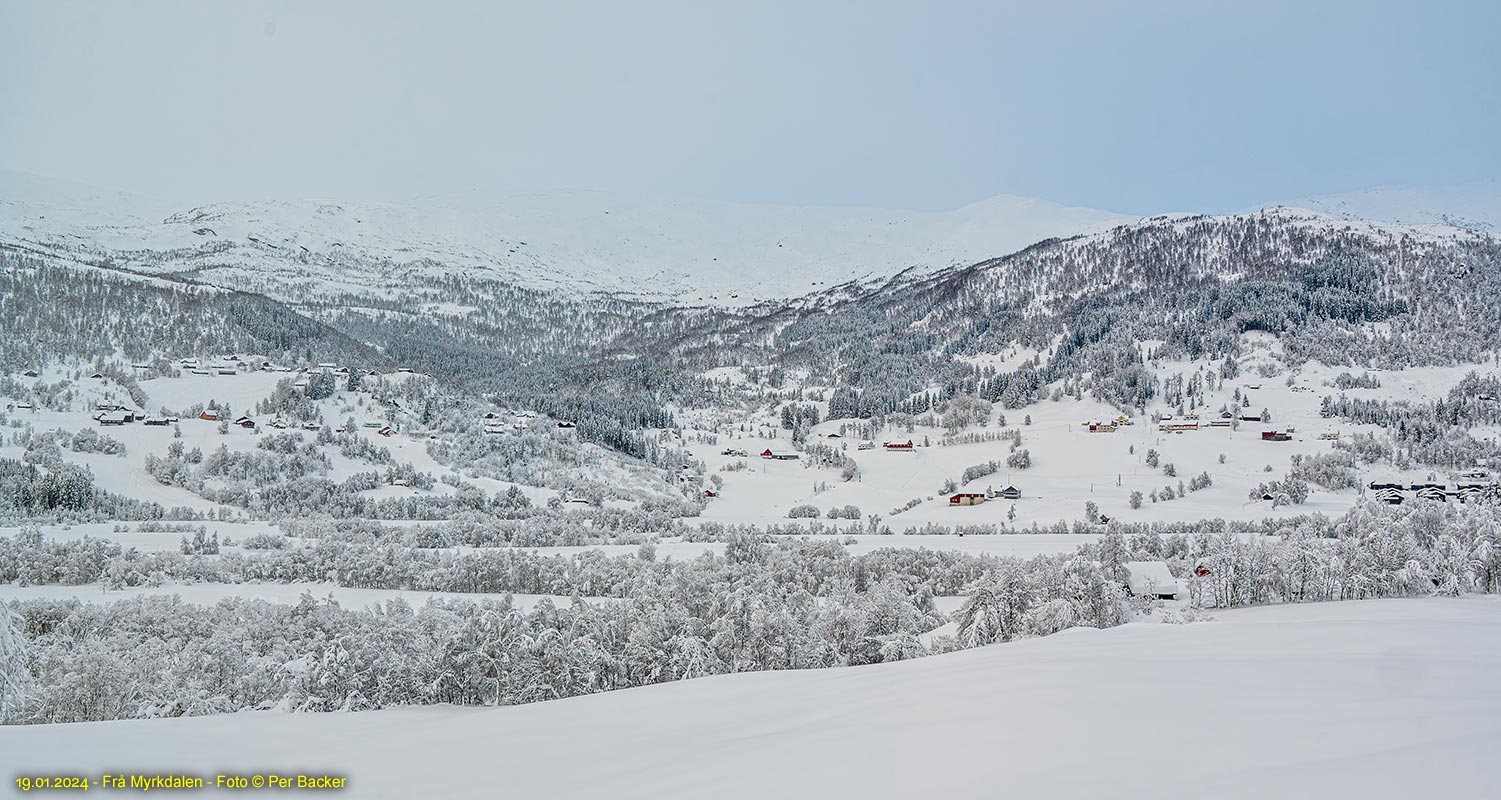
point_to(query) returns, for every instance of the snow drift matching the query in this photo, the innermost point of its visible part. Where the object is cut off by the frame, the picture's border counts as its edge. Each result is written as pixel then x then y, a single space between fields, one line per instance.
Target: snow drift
pixel 1387 698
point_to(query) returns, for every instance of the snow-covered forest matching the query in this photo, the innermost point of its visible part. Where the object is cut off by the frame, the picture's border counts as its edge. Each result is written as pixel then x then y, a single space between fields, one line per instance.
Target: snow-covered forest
pixel 763 604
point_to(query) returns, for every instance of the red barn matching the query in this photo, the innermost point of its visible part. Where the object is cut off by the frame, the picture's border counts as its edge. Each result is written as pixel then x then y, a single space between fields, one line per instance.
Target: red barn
pixel 966 499
pixel 907 445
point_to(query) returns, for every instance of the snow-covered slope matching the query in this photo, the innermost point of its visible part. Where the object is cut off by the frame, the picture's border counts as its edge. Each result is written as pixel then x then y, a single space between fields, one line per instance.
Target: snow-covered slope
pixel 689 251
pixel 1374 699
pixel 54 205
pixel 1473 206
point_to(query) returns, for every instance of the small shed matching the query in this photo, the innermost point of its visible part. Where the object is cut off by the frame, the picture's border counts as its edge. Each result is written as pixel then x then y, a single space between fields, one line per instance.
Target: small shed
pixel 1152 579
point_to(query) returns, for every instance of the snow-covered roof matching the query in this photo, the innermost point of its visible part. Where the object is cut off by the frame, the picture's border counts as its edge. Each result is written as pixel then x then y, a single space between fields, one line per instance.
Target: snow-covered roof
pixel 1150 577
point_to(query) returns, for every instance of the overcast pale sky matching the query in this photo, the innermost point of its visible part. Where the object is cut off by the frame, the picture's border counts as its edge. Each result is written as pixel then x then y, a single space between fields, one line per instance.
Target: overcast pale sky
pixel 1136 107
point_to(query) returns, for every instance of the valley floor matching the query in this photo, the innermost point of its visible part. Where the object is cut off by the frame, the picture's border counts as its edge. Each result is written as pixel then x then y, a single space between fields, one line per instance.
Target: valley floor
pixel 1372 699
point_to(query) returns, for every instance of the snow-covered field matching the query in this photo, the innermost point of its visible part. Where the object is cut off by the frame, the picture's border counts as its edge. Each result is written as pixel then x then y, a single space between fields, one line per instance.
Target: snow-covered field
pixel 1374 699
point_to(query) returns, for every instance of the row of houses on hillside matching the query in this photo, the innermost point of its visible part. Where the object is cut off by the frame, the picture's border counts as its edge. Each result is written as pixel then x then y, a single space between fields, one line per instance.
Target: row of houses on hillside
pixel 1395 493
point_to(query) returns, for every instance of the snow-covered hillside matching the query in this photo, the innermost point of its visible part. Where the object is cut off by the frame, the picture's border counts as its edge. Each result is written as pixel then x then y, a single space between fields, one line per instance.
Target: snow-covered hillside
pixel 1473 206
pixel 1374 699
pixel 695 252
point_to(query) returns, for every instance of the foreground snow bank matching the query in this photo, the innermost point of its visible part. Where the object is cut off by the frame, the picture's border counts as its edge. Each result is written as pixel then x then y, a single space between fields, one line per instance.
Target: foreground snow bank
pixel 1384 698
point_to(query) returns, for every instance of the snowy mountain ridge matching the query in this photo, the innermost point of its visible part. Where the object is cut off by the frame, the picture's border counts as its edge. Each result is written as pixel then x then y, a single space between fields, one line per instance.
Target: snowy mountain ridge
pixel 1472 206
pixel 688 252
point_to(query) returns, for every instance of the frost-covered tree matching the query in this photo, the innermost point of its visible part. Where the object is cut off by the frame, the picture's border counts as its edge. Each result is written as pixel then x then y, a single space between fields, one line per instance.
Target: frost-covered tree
pixel 14 674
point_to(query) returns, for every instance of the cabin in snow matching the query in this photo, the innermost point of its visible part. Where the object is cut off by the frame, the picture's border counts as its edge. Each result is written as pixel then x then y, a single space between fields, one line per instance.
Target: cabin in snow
pixel 1151 579
pixel 1275 436
pixel 385 430
pixel 780 455
pixel 210 416
pixel 1009 493
pixel 30 373
pixel 112 418
pixel 1434 493
pixel 900 447
pixel 245 422
pixel 966 498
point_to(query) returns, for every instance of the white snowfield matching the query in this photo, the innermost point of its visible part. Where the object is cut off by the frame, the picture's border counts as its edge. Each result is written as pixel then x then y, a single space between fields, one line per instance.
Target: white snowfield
pixel 691 251
pixel 1374 699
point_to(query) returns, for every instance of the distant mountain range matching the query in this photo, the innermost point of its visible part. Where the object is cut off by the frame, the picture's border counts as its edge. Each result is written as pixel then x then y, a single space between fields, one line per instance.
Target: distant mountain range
pixel 580 244
pixel 675 251
pixel 1472 206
